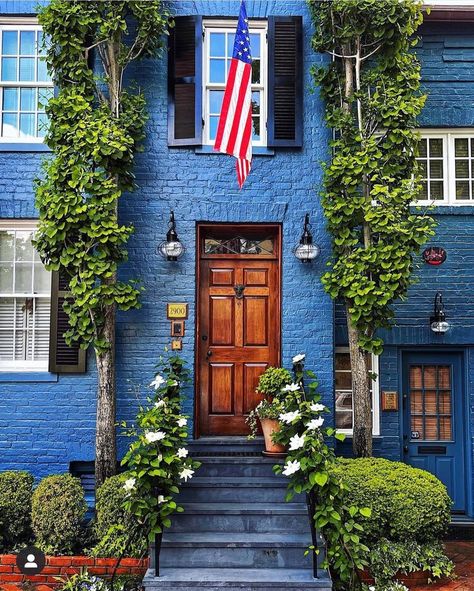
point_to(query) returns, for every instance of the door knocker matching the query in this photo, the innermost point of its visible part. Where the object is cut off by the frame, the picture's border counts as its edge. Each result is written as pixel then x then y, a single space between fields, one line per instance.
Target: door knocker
pixel 239 291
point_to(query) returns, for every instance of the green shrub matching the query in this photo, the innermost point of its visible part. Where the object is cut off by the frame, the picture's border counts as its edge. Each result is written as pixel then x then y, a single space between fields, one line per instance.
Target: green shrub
pixel 116 530
pixel 406 503
pixel 16 489
pixel 58 509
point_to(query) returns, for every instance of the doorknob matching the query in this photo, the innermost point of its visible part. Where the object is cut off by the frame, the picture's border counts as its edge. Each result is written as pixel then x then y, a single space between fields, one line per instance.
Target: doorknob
pixel 208 354
pixel 405 449
pixel 239 291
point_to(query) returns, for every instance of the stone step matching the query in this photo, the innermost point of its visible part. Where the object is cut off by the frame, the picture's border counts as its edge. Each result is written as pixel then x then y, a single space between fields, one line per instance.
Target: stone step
pixel 236 579
pixel 226 445
pixel 228 489
pixel 236 550
pixel 237 466
pixel 239 517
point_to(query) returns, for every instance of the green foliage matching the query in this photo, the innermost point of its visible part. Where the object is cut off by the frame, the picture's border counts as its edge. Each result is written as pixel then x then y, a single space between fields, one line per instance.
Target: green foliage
pixel 406 503
pixel 309 465
pixel 272 381
pixel 58 508
pixel 387 558
pixel 157 461
pixel 83 581
pixel 116 530
pixel 372 96
pixel 96 128
pixel 266 409
pixel 16 489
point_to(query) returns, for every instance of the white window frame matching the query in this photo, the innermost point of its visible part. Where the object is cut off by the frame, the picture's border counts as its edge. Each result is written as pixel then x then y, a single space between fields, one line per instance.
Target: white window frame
pixel 22 365
pixel 24 24
pixel 226 26
pixel 448 136
pixel 375 396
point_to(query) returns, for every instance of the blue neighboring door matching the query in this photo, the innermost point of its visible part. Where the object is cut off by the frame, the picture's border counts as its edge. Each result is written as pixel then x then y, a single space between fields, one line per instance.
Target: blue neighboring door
pixel 434 430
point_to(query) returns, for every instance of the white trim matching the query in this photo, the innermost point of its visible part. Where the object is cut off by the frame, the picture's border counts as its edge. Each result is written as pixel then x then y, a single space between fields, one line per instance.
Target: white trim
pixel 375 395
pixel 229 26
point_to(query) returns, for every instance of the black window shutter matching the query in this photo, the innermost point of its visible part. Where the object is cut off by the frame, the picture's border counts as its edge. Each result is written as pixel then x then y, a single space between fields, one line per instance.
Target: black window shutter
pixel 62 358
pixel 285 82
pixel 185 82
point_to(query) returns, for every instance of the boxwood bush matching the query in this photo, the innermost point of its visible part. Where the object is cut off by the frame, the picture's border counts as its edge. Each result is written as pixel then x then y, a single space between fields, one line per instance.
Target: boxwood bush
pixel 16 489
pixel 58 509
pixel 117 532
pixel 406 503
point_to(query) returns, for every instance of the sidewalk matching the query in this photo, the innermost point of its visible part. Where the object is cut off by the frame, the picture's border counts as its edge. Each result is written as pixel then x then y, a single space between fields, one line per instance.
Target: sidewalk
pixel 462 553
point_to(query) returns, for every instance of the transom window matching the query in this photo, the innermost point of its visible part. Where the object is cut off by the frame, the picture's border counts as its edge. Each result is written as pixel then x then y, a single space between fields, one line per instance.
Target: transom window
pixel 25 293
pixel 25 85
pixel 343 381
pixel 218 48
pixel 446 167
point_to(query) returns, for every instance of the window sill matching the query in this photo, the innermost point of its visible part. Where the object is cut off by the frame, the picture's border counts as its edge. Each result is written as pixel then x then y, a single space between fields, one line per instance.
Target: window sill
pixel 446 209
pixel 27 376
pixel 23 147
pixel 256 151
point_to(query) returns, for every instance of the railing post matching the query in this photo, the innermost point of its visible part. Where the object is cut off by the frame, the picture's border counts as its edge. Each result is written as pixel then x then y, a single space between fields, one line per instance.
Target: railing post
pixel 311 510
pixel 158 539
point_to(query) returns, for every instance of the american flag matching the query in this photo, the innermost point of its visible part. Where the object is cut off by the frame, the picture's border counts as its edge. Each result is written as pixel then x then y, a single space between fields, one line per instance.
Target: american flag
pixel 234 133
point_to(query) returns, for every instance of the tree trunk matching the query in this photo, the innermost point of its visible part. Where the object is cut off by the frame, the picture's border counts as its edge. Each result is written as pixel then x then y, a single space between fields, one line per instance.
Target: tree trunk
pixel 361 396
pixel 105 441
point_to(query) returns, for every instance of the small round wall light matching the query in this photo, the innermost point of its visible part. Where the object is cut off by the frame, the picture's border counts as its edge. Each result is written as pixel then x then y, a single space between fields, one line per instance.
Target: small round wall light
pixel 171 249
pixel 438 322
pixel 306 251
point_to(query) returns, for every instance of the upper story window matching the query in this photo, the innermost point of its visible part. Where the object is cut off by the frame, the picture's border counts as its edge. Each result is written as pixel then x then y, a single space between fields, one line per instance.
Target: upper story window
pixel 25 85
pixel 344 403
pixel 446 161
pixel 217 53
pixel 25 300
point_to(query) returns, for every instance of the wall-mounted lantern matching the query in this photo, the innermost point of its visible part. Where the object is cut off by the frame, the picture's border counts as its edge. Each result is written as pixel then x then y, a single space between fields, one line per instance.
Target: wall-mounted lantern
pixel 306 251
pixel 171 249
pixel 438 322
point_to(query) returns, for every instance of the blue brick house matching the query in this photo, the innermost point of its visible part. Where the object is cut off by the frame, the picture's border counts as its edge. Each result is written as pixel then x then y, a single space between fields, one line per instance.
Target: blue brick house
pixel 423 398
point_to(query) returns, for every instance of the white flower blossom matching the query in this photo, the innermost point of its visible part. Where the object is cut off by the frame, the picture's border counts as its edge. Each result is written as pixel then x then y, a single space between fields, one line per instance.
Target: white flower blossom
pixel 129 484
pixel 291 388
pixel 153 436
pixel 317 407
pixel 289 417
pixel 296 442
pixel 157 382
pixel 161 499
pixel 182 452
pixel 160 403
pixel 182 422
pixel 315 423
pixel 298 358
pixel 291 468
pixel 186 473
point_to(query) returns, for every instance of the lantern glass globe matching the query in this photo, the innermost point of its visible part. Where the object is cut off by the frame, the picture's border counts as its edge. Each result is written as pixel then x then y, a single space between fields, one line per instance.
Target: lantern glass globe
pixel 307 252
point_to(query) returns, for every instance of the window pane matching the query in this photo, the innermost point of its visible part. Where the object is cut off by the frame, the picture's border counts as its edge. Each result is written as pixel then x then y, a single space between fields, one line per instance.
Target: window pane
pixel 42 125
pixel 461 147
pixel 462 189
pixel 24 248
pixel 462 169
pixel 230 44
pixel 27 126
pixel 42 279
pixel 217 48
pixel 343 419
pixel 256 128
pixel 27 99
pixel 10 42
pixel 343 361
pixel 422 148
pixel 27 42
pixel 436 169
pixel 6 278
pixel 256 103
pixel 10 99
pixel 424 191
pixel 343 380
pixel 43 75
pixel 436 148
pixel 217 70
pixel 23 278
pixel 436 190
pixel 6 246
pixel 213 123
pixel 10 125
pixel 255 45
pixel 215 101
pixel 256 72
pixel 27 69
pixel 9 69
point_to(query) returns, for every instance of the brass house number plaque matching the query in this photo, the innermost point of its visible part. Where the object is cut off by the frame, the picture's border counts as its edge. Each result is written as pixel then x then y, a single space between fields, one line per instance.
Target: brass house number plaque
pixel 389 400
pixel 177 311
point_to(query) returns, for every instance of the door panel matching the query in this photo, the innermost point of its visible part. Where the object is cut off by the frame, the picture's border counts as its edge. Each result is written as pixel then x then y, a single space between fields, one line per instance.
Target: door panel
pixel 434 437
pixel 238 334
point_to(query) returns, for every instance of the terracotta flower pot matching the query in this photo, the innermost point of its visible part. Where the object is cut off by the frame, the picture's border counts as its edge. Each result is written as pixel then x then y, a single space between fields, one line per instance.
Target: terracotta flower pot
pixel 270 426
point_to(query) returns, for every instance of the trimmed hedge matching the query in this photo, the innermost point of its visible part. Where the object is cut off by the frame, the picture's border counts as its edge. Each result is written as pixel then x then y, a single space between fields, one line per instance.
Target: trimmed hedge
pixel 116 530
pixel 58 508
pixel 16 490
pixel 407 503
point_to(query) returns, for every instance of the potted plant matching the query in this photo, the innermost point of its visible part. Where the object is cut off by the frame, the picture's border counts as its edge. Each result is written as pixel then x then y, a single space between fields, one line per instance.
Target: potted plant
pixel 270 386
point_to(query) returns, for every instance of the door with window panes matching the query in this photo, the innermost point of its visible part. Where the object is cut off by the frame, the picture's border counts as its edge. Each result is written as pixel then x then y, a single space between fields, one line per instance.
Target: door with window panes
pixel 434 430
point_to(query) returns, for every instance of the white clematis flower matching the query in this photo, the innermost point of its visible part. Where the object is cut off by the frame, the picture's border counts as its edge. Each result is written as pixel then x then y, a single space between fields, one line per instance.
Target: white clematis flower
pixel 182 422
pixel 289 417
pixel 161 499
pixel 291 388
pixel 158 381
pixel 315 423
pixel 129 484
pixel 160 403
pixel 296 442
pixel 298 358
pixel 291 468
pixel 317 407
pixel 186 473
pixel 182 452
pixel 153 436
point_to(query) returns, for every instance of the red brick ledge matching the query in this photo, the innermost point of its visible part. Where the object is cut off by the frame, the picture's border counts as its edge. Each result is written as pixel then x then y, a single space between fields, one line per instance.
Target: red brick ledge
pixel 61 566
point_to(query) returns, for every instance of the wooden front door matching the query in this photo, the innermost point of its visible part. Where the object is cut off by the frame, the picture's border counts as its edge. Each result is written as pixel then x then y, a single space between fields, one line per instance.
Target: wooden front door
pixel 238 323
